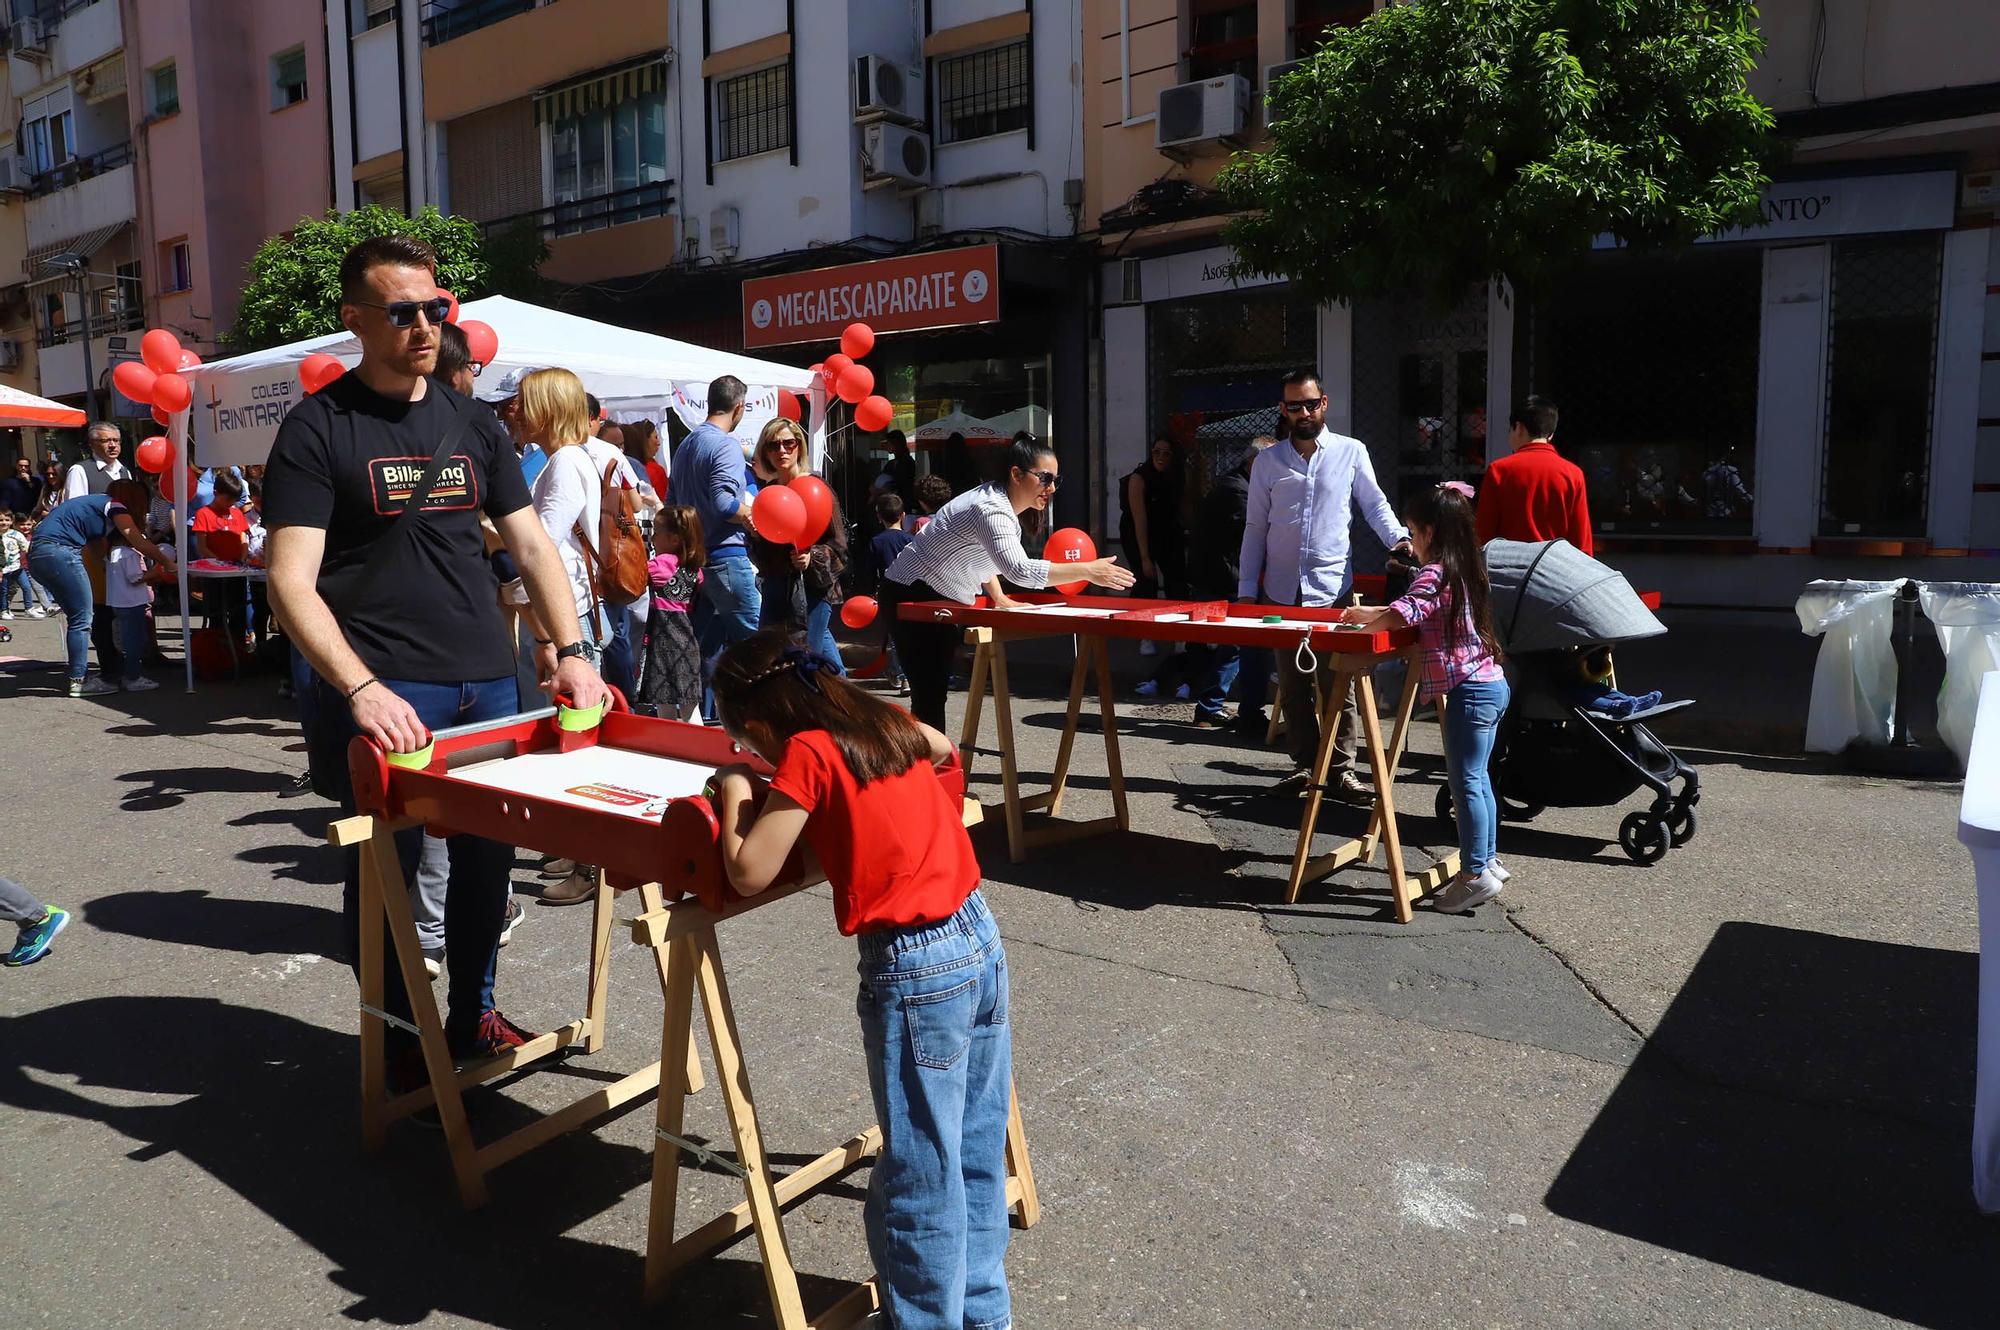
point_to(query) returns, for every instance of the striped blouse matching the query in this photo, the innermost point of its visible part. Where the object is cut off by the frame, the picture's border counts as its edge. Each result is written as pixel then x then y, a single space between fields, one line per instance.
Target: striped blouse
pixel 967 542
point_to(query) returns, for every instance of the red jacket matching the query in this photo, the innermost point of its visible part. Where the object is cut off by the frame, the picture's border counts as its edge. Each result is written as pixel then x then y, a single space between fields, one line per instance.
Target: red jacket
pixel 1534 494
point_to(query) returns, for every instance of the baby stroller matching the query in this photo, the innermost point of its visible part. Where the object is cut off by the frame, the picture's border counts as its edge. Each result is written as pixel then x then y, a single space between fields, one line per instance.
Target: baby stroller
pixel 1555 609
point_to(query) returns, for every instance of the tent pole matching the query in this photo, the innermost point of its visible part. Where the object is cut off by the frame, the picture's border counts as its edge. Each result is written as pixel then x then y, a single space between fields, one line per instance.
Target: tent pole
pixel 820 460
pixel 178 432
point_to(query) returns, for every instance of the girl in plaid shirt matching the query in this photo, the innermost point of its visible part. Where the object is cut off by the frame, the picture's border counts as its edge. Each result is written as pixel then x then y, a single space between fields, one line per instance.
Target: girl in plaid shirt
pixel 1447 602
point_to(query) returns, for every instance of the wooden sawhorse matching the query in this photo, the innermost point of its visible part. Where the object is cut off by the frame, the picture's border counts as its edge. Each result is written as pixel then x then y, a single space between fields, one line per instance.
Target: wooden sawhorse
pixel 686 929
pixel 989 667
pixel 385 907
pixel 1356 671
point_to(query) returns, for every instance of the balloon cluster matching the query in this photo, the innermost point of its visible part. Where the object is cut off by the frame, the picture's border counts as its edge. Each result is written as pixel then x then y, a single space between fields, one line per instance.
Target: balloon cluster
pixel 796 513
pixel 845 377
pixel 158 379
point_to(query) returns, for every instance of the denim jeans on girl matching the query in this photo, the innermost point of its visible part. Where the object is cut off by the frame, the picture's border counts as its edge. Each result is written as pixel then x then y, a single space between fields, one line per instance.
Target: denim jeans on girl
pixel 933 1008
pixel 134 634
pixel 1472 713
pixel 60 569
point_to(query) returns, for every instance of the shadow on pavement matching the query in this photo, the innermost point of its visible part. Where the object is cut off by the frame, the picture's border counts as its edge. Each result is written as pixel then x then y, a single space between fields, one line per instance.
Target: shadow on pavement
pixel 194 918
pixel 170 787
pixel 264 1104
pixel 1802 1113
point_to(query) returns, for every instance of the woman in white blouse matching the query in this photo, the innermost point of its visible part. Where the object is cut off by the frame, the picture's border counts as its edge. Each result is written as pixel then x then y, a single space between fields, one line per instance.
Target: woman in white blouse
pixel 968 546
pixel 567 495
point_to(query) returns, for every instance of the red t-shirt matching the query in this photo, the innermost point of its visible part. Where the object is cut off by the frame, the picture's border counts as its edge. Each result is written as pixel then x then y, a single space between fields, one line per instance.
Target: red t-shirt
pixel 228 535
pixel 656 476
pixel 895 849
pixel 1534 494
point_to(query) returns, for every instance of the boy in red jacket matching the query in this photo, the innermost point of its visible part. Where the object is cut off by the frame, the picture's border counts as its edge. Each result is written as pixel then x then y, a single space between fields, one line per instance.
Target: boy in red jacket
pixel 1533 494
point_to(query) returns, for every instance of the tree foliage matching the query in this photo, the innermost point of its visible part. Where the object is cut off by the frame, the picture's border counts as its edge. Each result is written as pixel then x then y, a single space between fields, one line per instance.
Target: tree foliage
pixel 293 290
pixel 1444 142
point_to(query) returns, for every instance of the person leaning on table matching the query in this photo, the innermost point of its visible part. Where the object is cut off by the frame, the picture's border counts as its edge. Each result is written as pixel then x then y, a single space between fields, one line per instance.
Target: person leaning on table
pixel 974 541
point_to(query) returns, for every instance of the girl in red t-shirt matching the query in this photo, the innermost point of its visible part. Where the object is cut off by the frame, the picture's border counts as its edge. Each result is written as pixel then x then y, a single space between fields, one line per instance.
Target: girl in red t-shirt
pixel 857 778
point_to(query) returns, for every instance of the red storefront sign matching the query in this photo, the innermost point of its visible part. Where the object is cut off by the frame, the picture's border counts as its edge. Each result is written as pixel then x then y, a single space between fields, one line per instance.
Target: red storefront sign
pixel 938 290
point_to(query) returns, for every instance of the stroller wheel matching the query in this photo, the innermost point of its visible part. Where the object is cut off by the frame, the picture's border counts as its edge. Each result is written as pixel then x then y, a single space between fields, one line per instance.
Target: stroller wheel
pixel 1681 826
pixel 1444 806
pixel 1520 810
pixel 1643 837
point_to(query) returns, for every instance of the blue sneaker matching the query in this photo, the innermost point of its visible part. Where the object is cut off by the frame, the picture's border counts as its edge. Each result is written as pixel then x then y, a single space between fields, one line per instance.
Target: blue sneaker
pixel 35 938
pixel 1146 688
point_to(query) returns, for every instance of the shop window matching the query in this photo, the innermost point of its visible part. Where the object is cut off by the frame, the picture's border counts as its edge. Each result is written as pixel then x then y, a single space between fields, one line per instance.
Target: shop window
pixel 1653 364
pixel 753 113
pixel 601 163
pixel 1420 389
pixel 1313 21
pixel 1881 358
pixel 1214 365
pixel 962 411
pixel 984 92
pixel 163 89
pixel 288 78
pixel 1222 39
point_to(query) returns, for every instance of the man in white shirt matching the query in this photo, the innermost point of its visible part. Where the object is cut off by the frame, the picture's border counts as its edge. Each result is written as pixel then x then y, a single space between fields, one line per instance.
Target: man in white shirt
pixel 1303 492
pixel 95 473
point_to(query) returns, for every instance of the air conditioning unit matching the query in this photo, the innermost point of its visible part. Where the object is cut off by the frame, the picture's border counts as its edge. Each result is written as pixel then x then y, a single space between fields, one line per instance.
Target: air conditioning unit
pixel 895 154
pixel 1191 113
pixel 1272 73
pixel 725 232
pixel 10 353
pixel 31 35
pixel 15 175
pixel 885 90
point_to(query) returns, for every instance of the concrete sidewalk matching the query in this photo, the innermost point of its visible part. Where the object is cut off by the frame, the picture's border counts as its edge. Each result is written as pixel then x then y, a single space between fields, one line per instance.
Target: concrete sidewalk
pixel 1729 1090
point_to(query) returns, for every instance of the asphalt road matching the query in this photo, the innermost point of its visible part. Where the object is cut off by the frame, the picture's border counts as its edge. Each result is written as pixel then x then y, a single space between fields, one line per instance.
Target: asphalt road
pixel 1732 1089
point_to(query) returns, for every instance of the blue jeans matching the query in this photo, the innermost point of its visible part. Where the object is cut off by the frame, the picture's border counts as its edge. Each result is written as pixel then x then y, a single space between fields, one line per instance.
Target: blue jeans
pixel 1256 665
pixel 60 569
pixel 134 635
pixel 30 592
pixel 1472 713
pixel 620 667
pixel 1214 668
pixel 933 1008
pixel 475 904
pixel 726 610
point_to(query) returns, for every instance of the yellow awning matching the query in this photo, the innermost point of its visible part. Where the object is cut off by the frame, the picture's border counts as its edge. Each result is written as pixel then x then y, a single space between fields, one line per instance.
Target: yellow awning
pixel 597 91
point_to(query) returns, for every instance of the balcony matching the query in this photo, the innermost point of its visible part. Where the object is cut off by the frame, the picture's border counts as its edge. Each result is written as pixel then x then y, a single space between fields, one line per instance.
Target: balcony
pixel 78 33
pixel 618 234
pixel 81 205
pixel 101 325
pixel 79 169
pixel 591 214
pixel 446 19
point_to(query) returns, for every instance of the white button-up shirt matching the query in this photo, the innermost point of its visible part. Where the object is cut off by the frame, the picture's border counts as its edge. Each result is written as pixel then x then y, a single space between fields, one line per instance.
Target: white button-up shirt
pixel 76 481
pixel 1295 534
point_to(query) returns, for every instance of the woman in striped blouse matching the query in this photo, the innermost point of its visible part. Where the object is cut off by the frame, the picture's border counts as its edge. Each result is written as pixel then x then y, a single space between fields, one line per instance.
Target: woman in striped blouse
pixel 970 544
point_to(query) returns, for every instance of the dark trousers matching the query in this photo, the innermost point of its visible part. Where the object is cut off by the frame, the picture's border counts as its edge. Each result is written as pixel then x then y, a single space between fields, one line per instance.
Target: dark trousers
pixel 927 651
pixel 104 636
pixel 1296 689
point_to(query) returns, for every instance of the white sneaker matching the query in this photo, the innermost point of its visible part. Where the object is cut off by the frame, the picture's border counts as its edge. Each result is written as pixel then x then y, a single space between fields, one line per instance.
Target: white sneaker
pixel 138 684
pixel 38 613
pixel 1498 869
pixel 90 685
pixel 1462 893
pixel 6 614
pixel 1148 647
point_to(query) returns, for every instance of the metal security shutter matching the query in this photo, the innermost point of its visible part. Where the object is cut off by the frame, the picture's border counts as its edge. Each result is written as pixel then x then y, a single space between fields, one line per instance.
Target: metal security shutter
pixel 496 163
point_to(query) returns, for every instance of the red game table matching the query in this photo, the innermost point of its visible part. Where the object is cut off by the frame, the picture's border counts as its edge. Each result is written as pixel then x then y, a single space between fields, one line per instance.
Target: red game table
pixel 1349 655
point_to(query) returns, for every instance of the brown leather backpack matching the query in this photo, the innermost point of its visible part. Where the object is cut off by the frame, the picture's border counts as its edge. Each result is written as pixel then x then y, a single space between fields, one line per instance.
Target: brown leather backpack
pixel 617 558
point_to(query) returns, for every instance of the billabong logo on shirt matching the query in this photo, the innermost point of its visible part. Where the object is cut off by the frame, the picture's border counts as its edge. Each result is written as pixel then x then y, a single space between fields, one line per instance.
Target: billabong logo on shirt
pixel 392 480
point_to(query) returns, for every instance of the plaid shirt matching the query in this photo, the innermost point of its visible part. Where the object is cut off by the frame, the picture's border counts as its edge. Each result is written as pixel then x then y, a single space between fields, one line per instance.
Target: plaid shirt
pixel 1445 664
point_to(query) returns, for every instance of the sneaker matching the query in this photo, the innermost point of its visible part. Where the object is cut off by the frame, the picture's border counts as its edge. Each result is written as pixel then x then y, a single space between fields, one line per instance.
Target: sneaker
pixel 1498 869
pixel 515 914
pixel 1213 720
pixel 35 938
pixel 1148 647
pixel 1351 788
pixel 138 684
pixel 902 688
pixel 6 614
pixel 494 1036
pixel 1296 781
pixel 433 961
pixel 1146 688
pixel 1462 893
pixel 90 685
pixel 558 868
pixel 38 613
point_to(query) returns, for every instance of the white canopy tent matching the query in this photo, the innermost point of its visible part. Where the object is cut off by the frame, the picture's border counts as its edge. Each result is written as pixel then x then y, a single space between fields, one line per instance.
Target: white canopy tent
pixel 240 402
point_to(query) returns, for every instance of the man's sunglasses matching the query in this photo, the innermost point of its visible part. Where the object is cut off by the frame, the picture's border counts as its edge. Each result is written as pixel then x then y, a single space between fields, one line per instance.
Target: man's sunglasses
pixel 1304 406
pixel 403 313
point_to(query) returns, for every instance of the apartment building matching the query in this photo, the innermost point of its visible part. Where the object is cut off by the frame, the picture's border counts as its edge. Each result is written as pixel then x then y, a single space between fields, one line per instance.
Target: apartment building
pixel 1809 393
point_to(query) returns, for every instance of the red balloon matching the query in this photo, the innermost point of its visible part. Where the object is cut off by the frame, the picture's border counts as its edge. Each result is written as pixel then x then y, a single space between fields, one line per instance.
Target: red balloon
pixel 188 360
pixel 833 367
pixel 856 382
pixel 450 315
pixel 155 454
pixel 874 413
pixel 161 351
pixel 162 418
pixel 171 393
pixel 319 369
pixel 167 483
pixel 788 405
pixel 134 380
pixel 481 342
pixel 859 611
pixel 1069 545
pixel 328 373
pixel 779 514
pixel 818 498
pixel 857 340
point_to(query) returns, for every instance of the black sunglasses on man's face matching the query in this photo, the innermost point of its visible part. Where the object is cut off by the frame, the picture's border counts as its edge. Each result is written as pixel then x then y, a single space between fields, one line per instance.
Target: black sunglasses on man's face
pixel 403 313
pixel 1303 406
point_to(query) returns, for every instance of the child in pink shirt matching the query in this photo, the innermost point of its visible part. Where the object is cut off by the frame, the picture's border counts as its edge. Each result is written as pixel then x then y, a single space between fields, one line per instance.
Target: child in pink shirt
pixel 670 685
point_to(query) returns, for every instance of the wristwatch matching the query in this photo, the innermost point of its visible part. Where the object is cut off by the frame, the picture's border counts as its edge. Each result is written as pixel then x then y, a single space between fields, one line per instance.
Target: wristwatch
pixel 574 651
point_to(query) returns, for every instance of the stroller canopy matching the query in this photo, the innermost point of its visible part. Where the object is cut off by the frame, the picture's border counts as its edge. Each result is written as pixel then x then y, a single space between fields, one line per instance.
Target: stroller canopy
pixel 1549 594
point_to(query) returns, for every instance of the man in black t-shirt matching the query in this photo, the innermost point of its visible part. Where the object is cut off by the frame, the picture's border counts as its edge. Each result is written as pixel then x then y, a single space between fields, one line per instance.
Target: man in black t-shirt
pixel 398 614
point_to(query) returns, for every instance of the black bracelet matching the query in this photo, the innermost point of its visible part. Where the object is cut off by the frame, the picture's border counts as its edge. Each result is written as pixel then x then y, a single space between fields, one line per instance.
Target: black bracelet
pixel 545 641
pixel 363 684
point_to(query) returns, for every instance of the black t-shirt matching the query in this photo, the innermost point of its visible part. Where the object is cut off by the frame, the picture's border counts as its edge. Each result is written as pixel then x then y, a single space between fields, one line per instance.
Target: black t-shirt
pixel 347 460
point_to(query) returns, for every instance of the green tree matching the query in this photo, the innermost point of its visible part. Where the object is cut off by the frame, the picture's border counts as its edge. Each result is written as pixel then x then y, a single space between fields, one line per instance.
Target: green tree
pixel 293 290
pixel 1445 142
